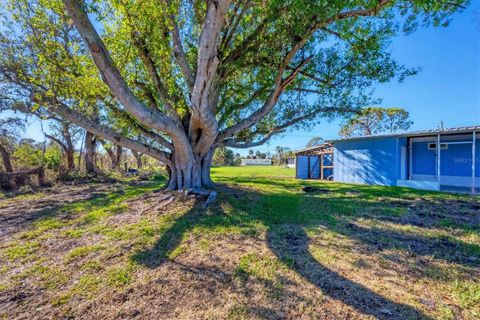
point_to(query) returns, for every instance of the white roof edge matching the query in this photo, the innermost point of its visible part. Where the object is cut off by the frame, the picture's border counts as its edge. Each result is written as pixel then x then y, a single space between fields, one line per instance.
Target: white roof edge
pixel 413 133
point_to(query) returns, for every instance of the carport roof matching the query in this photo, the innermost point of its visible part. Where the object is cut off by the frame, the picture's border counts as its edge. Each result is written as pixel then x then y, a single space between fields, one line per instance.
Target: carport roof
pixel 315 149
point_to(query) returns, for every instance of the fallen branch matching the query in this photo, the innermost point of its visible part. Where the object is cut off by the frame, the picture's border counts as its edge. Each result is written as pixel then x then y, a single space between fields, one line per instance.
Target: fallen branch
pixel 13 180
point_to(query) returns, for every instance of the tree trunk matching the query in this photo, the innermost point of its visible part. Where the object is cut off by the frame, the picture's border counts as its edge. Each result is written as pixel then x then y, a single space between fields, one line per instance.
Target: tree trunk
pixel 70 160
pixel 7 164
pixel 70 148
pixel 90 146
pixel 67 148
pixel 138 156
pixel 191 172
pixel 117 158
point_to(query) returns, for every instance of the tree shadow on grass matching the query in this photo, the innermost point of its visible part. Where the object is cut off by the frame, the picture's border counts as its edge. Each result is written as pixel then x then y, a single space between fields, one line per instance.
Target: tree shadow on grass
pixel 292 247
pixel 286 237
pixel 61 207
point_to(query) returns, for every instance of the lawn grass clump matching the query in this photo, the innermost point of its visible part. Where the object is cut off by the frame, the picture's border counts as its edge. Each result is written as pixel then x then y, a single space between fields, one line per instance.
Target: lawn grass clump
pixel 22 250
pixel 87 286
pixel 466 294
pixel 252 264
pixel 120 276
pixel 81 252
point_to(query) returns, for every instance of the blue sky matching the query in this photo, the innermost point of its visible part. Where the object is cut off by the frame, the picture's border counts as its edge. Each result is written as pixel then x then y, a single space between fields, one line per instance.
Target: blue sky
pixel 447 89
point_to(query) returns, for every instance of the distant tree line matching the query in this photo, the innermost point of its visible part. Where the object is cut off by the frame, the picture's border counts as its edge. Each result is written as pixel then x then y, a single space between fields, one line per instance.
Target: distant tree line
pixel 66 150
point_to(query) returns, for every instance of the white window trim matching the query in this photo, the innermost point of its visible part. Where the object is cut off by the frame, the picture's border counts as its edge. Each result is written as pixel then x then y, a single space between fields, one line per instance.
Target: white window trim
pixel 433 146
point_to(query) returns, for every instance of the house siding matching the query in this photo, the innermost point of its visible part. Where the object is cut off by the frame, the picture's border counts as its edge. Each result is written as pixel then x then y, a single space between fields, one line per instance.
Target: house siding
pixel 373 161
pixel 424 160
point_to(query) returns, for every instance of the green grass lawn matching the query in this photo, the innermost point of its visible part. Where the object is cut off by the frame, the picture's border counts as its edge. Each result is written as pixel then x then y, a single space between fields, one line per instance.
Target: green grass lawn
pixel 265 250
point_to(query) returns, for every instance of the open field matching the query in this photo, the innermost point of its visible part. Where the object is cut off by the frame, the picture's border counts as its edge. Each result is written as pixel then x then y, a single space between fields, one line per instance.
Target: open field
pixel 266 249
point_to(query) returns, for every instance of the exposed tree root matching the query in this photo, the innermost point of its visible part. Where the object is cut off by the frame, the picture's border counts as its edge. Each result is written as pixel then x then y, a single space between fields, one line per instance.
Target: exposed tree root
pixel 161 203
pixel 212 197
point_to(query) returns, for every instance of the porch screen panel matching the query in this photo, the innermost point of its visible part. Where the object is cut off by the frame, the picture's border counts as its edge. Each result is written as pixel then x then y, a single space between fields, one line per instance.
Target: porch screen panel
pixel 456 160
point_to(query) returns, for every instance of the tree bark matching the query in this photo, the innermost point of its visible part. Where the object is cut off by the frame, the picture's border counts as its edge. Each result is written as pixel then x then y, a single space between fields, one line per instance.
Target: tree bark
pixel 70 148
pixel 191 173
pixel 118 157
pixel 70 160
pixel 138 156
pixel 7 164
pixel 115 155
pixel 90 146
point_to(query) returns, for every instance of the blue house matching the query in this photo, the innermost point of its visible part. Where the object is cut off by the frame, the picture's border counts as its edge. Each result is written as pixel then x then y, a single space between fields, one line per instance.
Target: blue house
pixel 443 159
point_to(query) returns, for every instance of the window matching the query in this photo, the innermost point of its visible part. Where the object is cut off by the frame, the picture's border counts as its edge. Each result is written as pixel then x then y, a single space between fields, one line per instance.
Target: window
pixel 433 146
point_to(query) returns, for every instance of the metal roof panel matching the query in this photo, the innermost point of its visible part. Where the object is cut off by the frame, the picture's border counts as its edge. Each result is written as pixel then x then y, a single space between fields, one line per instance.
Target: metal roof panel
pixel 466 129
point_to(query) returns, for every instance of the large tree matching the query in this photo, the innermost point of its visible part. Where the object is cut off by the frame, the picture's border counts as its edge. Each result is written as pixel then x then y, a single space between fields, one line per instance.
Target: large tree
pixel 190 76
pixel 375 120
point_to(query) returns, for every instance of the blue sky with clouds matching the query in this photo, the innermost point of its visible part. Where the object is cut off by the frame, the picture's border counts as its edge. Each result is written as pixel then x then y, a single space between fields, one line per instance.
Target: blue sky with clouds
pixel 447 89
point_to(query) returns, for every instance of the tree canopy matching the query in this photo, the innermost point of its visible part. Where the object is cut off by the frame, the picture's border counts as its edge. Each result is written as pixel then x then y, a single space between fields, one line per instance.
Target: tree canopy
pixel 176 79
pixel 315 141
pixel 374 120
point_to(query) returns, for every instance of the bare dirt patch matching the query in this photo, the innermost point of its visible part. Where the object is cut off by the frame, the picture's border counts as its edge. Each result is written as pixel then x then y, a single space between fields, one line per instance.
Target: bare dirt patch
pixel 122 251
pixel 18 212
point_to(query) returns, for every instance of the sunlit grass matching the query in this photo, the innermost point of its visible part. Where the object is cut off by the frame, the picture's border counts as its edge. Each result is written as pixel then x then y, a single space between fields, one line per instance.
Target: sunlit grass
pixel 351 230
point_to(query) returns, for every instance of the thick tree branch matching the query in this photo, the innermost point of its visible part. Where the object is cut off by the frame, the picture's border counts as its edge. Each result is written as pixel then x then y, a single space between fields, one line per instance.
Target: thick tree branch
pixel 207 61
pixel 310 76
pixel 203 127
pixel 226 113
pixel 146 132
pixel 107 133
pixel 179 52
pixel 112 76
pixel 58 141
pixel 152 71
pixel 236 143
pixel 148 94
pixel 155 137
pixel 363 12
pixel 247 43
pixel 244 143
pixel 280 85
